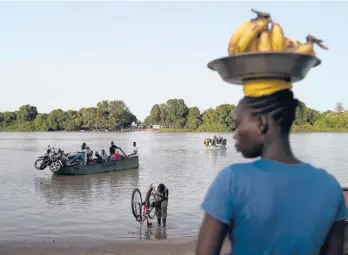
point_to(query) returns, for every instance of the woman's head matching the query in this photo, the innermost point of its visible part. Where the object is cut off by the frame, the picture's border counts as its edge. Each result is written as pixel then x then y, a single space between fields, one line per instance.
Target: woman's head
pixel 260 120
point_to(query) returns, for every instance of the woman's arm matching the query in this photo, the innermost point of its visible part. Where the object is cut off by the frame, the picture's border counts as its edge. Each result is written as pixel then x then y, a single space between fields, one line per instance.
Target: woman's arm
pixel 335 240
pixel 219 208
pixel 211 236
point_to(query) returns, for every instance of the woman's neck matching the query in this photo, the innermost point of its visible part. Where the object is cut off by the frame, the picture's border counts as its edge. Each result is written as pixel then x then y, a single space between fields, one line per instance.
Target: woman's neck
pixel 279 149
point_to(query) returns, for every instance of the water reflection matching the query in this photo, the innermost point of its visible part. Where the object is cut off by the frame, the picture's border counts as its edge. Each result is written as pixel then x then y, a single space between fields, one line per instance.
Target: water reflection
pixel 85 189
pixel 158 232
pixel 213 155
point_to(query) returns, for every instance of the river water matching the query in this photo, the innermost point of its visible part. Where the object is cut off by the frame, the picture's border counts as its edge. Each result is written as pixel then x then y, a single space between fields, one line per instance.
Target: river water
pixel 37 204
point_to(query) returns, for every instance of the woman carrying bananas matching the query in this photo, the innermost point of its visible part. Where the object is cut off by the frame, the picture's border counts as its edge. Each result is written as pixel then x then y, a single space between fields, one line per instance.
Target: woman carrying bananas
pixel 275 205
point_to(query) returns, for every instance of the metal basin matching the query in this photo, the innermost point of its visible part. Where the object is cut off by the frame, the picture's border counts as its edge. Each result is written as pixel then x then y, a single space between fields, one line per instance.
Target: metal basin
pixel 287 66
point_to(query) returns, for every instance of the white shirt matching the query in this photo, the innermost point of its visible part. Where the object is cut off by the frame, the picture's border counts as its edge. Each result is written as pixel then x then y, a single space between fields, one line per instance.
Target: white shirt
pixel 135 150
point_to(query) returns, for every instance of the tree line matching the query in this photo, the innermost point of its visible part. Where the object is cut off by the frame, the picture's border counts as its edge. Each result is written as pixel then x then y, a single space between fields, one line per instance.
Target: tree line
pixel 111 115
pixel 176 115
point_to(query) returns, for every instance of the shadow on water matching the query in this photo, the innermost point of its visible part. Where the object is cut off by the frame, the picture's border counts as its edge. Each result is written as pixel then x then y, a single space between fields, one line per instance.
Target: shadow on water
pixel 86 188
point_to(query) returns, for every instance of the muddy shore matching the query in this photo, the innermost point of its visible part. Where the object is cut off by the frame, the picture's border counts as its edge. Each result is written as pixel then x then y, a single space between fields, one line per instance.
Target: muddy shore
pixel 183 246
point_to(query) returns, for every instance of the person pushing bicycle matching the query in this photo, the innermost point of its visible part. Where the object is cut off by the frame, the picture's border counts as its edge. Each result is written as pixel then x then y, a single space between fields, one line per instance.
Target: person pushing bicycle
pixel 160 192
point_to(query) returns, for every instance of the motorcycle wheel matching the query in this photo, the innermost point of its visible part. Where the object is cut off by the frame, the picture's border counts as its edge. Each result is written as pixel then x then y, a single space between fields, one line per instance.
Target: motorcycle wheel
pixel 39 164
pixel 55 166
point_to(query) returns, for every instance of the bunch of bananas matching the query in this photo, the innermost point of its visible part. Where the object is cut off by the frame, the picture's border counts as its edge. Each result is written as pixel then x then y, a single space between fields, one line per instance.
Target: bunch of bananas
pixel 255 36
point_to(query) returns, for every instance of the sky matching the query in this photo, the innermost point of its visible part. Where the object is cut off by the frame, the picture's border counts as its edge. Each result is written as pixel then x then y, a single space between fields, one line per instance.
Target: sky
pixel 70 55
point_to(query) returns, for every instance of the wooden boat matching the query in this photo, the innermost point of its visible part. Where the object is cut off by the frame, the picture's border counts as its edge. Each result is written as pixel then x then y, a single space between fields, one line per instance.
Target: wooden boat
pixel 106 166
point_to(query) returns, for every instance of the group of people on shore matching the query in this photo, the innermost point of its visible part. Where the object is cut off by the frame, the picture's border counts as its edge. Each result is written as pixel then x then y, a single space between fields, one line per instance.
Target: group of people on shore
pixel 114 153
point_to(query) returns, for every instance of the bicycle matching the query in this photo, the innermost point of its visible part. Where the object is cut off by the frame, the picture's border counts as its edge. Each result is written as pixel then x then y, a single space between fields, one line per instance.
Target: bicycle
pixel 140 212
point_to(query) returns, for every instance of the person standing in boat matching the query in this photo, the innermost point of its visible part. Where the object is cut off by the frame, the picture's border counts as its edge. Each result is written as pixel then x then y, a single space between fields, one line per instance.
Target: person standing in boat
pixel 112 148
pixel 84 150
pixel 135 149
pixel 161 193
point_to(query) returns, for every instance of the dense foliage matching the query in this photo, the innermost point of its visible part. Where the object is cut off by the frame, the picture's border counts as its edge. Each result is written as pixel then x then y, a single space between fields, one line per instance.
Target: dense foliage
pixel 175 115
pixel 111 115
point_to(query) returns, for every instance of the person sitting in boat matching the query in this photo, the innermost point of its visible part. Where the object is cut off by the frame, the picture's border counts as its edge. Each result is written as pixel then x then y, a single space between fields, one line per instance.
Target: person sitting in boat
pixel 89 153
pixel 135 149
pixel 104 156
pixel 112 149
pixel 116 155
pixel 99 158
pixel 161 193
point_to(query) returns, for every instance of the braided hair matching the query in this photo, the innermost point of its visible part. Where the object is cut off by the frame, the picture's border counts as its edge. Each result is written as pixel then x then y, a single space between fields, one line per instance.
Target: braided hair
pixel 281 106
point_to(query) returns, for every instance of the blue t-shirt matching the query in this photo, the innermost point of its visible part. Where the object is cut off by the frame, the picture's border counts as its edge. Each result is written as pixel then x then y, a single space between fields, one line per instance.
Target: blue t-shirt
pixel 276 208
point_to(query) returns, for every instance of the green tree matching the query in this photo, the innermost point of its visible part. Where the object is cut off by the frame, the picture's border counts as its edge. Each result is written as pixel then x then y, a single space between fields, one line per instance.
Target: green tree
pixel 163 115
pixel 224 116
pixel 210 117
pixel 89 116
pixel 1 118
pixel 148 121
pixel 120 115
pixel 40 122
pixel 55 120
pixel 26 113
pixel 177 113
pixel 155 114
pixel 9 117
pixel 194 119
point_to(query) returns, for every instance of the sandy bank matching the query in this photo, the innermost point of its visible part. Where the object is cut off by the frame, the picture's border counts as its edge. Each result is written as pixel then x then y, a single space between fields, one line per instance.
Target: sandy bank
pixel 183 246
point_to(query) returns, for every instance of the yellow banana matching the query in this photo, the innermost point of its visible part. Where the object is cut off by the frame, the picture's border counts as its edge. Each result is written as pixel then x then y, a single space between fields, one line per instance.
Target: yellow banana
pixel 246 32
pixel 251 32
pixel 308 48
pixel 277 38
pixel 254 45
pixel 232 45
pixel 291 44
pixel 265 41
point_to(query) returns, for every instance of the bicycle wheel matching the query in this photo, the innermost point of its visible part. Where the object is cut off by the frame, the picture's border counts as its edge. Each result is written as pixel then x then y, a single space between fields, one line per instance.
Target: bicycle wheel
pixel 136 204
pixel 152 209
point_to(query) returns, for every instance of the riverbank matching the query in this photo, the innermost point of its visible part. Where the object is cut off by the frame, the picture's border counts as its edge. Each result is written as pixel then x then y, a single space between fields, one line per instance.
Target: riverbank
pixel 182 246
pixel 295 129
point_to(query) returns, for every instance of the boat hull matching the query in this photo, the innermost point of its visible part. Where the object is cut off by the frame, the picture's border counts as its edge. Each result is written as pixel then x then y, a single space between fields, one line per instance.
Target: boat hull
pixel 107 166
